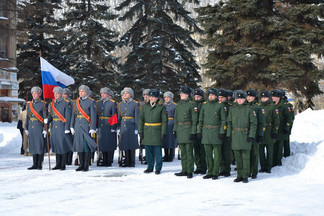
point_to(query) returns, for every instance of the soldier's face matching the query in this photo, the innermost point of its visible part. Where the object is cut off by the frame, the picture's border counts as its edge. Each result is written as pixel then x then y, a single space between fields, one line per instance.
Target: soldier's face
pixel 212 97
pixel 167 99
pixel 104 95
pixel 126 95
pixel 264 99
pixel 82 93
pixel 240 100
pixel 198 97
pixel 183 96
pixel 153 99
pixel 36 95
pixel 57 95
pixel 65 96
pixel 146 97
pixel 276 99
pixel 222 99
pixel 250 98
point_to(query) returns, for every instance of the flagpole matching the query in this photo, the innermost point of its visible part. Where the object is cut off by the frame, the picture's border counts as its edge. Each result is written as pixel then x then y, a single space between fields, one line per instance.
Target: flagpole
pixel 47 141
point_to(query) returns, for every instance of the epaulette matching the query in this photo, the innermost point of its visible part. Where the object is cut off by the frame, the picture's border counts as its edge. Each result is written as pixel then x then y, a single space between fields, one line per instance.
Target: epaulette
pixel 91 98
pixel 135 101
pixel 98 100
pixel 174 103
pixel 112 100
pixel 66 100
pixel 43 101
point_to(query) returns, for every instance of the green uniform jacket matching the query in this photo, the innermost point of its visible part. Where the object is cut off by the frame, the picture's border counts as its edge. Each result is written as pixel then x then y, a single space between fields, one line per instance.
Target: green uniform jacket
pixel 212 122
pixel 271 121
pixel 260 116
pixel 291 112
pixel 153 115
pixel 285 117
pixel 185 120
pixel 241 124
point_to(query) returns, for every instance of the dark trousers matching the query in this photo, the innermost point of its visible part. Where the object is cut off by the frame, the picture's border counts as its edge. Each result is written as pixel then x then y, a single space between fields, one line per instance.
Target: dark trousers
pixel 200 156
pixel 242 158
pixel 129 158
pixel 153 156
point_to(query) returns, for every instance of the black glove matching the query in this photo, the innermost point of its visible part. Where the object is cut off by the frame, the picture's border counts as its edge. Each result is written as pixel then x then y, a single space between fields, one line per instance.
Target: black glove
pixel 175 134
pixel 274 136
pixel 286 132
pixel 199 136
pixel 192 136
pixel 221 136
pixel 250 139
pixel 141 136
pixel 229 139
pixel 163 136
pixel 259 139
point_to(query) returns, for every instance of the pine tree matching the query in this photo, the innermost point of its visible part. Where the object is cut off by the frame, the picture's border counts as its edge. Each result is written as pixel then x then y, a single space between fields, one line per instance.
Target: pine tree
pixel 88 44
pixel 265 45
pixel 161 54
pixel 38 33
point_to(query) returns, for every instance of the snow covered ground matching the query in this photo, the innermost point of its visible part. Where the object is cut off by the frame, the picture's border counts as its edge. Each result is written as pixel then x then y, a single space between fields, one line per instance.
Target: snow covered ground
pixel 296 188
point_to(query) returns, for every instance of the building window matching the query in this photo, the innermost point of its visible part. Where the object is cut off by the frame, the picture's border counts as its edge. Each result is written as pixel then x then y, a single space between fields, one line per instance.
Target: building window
pixel 3 8
pixel 3 47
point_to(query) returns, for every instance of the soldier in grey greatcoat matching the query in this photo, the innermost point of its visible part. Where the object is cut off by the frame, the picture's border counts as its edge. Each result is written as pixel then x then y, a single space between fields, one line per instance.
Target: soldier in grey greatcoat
pixel 128 113
pixel 170 142
pixel 69 138
pixel 35 129
pixel 83 126
pixel 60 119
pixel 106 108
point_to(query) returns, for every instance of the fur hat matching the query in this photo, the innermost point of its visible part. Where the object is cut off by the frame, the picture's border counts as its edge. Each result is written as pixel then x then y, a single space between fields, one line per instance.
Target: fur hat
pixel 129 90
pixel 154 93
pixel 168 94
pixel 212 91
pixel 58 89
pixel 85 88
pixel 36 89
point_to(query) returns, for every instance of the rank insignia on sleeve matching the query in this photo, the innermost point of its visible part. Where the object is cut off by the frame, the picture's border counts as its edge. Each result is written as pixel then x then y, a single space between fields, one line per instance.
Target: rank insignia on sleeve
pixel 254 113
pixel 263 111
pixel 277 111
pixel 289 109
pixel 196 109
pixel 225 108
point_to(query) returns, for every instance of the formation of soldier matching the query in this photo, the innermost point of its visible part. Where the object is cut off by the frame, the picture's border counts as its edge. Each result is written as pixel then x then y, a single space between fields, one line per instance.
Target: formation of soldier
pixel 226 127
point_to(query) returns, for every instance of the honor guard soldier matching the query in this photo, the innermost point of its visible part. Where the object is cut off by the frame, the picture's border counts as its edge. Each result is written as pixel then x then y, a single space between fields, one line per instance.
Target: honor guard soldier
pixel 67 96
pixel 271 116
pixel 170 142
pixel 284 127
pixel 254 153
pixel 241 127
pixel 199 151
pixel 152 129
pixel 211 130
pixel 60 118
pixel 290 107
pixel 83 126
pixel 226 149
pixel 185 129
pixel 128 113
pixel 106 109
pixel 35 129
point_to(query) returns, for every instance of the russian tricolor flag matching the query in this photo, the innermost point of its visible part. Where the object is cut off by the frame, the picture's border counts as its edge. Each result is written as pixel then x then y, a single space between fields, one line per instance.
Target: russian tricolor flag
pixel 52 77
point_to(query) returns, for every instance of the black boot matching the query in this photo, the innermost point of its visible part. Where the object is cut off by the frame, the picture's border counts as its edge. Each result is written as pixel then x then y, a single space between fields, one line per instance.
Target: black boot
pixel 81 162
pixel 110 158
pixel 87 158
pixel 69 158
pixel 132 158
pixel 58 162
pixel 40 161
pixel 35 157
pixel 171 154
pixel 63 161
pixel 166 155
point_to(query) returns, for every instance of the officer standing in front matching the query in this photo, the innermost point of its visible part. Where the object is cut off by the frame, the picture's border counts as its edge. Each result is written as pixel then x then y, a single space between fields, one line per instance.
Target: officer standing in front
pixel 83 126
pixel 185 129
pixel 35 129
pixel 152 128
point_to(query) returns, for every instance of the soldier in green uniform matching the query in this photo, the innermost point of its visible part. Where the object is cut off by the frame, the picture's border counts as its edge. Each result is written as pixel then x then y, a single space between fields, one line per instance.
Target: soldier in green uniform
pixel 254 154
pixel 199 151
pixel 284 127
pixel 271 116
pixel 211 130
pixel 242 126
pixel 226 149
pixel 185 129
pixel 152 129
pixel 290 107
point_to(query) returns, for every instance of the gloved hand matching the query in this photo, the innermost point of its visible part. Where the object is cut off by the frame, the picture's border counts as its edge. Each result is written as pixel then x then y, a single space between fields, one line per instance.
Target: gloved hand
pixel 113 131
pixel 72 131
pixel 259 139
pixel 67 131
pixel 174 134
pixel 163 136
pixel 221 136
pixel 192 136
pixel 46 121
pixel 92 132
pixel 136 131
pixel 44 134
pixel 141 136
pixel 274 136
pixel 199 136
pixel 229 139
pixel 250 139
pixel 27 132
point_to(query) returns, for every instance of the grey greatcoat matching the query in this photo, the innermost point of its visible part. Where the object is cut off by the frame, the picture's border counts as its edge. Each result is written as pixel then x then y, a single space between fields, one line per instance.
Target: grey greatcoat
pixel 170 141
pixel 35 127
pixel 107 139
pixel 82 126
pixel 61 142
pixel 128 114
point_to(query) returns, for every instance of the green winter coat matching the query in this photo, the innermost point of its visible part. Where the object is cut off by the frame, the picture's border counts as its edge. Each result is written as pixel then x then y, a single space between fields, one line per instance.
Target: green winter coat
pixel 241 124
pixel 185 120
pixel 260 117
pixel 286 119
pixel 152 123
pixel 212 122
pixel 271 121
